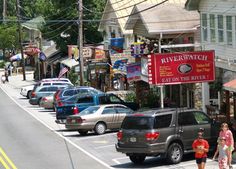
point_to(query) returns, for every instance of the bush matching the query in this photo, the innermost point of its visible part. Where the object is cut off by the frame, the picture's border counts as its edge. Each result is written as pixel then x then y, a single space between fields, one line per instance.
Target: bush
pixel 73 76
pixel 130 97
pixel 2 64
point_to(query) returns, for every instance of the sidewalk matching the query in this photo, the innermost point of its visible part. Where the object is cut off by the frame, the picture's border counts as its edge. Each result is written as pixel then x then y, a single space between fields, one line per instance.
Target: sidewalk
pixel 16 81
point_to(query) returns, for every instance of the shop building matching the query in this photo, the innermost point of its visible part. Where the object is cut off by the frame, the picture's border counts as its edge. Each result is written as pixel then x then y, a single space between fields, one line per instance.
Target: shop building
pixel 218 32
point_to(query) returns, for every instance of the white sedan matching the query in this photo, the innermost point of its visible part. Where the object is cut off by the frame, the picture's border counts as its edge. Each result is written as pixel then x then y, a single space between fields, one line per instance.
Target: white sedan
pixel 26 90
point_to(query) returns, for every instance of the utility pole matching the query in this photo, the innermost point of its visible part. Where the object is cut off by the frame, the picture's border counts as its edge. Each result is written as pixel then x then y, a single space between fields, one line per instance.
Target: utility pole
pixel 80 41
pixel 20 38
pixel 4 11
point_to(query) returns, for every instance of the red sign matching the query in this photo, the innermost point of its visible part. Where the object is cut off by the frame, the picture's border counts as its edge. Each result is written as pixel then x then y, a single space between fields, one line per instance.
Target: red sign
pixel 184 67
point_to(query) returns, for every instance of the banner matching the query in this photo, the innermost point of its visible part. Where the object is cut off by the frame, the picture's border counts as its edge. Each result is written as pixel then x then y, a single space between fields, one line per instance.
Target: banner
pixel 100 54
pixel 133 72
pixel 185 67
pixel 116 45
pixel 120 66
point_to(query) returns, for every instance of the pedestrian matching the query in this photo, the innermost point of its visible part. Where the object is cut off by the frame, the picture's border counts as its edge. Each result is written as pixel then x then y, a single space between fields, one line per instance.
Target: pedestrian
pixel 222 150
pixel 6 75
pixel 201 148
pixel 229 141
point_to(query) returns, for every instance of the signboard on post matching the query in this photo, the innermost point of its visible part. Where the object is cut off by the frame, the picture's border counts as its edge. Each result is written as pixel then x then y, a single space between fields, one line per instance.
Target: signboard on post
pixel 185 67
pixel 133 72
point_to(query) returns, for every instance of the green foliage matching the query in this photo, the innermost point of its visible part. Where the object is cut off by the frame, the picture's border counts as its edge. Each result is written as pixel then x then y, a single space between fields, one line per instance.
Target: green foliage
pixel 73 76
pixel 151 100
pixel 130 97
pixel 2 64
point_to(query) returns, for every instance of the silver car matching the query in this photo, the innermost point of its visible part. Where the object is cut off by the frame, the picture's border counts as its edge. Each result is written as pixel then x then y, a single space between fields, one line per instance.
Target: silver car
pixel 98 118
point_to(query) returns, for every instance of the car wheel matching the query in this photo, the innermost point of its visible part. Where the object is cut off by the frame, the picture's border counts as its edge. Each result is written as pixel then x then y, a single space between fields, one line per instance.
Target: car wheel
pixel 174 153
pixel 83 133
pixel 100 128
pixel 137 159
pixel 28 94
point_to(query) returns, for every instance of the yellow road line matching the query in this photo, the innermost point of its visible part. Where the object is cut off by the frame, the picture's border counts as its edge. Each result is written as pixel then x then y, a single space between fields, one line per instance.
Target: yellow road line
pixel 4 163
pixel 8 160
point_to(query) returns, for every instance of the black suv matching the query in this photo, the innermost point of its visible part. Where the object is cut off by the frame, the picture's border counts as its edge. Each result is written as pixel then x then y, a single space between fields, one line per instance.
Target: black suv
pixel 166 132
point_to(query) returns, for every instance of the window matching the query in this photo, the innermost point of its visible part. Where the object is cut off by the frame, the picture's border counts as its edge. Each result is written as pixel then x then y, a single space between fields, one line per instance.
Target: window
pixel 114 99
pixel 85 100
pixel 163 121
pixel 229 29
pixel 46 84
pixel 109 110
pixel 89 110
pixel 201 118
pixel 52 89
pixel 220 28
pixel 186 118
pixel 69 93
pixel 212 28
pixel 204 27
pixel 123 110
pixel 45 89
pixel 139 123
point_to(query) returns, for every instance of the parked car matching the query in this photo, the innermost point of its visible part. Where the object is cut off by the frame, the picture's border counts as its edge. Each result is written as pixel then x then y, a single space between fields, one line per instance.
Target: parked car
pixel 42 91
pixel 98 118
pixel 47 102
pixel 77 104
pixel 26 91
pixel 68 92
pixel 166 132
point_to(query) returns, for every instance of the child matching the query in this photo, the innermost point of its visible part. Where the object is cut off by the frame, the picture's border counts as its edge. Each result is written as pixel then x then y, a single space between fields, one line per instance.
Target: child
pixel 222 149
pixel 200 147
pixel 229 141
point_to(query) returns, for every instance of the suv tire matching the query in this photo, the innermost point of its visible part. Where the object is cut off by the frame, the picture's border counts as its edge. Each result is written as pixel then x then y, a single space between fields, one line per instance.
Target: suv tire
pixel 174 153
pixel 137 159
pixel 100 128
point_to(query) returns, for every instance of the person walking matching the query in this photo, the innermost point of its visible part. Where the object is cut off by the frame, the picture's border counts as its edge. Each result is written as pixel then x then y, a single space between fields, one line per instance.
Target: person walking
pixel 222 150
pixel 229 141
pixel 200 147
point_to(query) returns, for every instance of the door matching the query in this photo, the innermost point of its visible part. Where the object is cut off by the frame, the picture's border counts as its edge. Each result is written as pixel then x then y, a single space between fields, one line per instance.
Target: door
pixel 109 116
pixel 121 113
pixel 189 124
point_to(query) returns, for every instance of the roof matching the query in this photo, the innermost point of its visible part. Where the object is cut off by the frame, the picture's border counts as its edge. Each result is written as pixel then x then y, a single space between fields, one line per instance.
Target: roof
pixel 50 51
pixel 192 4
pixel 165 18
pixel 34 24
pixel 69 62
pixel 230 86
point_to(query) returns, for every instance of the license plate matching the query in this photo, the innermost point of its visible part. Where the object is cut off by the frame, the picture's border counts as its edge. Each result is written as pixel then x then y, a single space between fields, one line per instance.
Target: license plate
pixel 73 121
pixel 132 139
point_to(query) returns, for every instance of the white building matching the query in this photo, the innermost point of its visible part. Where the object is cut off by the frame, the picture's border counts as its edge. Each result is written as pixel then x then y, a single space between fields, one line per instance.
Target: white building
pixel 218 32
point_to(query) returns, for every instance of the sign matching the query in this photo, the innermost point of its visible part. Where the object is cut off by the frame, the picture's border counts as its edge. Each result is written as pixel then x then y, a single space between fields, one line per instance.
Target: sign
pixel 99 54
pixel 116 45
pixel 133 72
pixel 73 52
pixel 119 56
pixel 185 67
pixel 120 66
pixel 138 49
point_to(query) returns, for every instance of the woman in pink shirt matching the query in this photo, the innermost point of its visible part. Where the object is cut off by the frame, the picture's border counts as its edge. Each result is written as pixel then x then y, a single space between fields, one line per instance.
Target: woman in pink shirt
pixel 227 134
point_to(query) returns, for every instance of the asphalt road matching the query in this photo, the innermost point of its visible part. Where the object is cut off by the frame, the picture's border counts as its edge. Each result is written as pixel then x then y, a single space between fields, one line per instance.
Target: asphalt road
pixel 32 140
pixel 31 145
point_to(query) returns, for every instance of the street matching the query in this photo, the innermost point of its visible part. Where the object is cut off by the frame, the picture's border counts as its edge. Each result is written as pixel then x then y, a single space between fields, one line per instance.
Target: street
pixel 31 139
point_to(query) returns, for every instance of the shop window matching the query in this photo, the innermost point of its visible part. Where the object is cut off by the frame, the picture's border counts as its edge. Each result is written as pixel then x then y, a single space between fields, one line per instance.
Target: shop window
pixel 220 19
pixel 212 28
pixel 204 27
pixel 229 30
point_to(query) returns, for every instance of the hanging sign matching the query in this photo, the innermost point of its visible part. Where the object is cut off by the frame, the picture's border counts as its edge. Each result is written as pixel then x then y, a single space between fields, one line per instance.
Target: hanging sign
pixel 184 67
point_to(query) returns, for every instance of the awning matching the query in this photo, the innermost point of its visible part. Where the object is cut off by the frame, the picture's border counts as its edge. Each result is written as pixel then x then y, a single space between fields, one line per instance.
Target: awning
pixel 69 62
pixel 230 86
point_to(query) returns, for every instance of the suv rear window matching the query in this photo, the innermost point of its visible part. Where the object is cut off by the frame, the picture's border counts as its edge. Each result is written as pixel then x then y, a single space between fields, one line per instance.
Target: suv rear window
pixel 135 122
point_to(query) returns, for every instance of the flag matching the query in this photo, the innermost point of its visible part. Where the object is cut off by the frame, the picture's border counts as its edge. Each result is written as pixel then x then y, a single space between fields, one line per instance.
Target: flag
pixel 62 72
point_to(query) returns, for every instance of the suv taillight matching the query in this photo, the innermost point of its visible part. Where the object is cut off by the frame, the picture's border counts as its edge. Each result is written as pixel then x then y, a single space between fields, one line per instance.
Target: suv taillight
pixel 75 110
pixel 119 135
pixel 152 136
pixel 60 104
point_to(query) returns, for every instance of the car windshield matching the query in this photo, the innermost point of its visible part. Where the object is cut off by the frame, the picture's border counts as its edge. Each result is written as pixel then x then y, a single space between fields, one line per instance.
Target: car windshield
pixel 89 110
pixel 138 122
